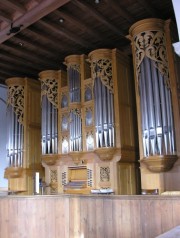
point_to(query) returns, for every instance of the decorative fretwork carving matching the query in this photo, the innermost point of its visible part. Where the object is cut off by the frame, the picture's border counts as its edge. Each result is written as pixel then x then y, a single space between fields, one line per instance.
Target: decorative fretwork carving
pixel 104 174
pixel 54 181
pixel 54 176
pixel 88 92
pixel 88 116
pixel 49 89
pixel 103 69
pixel 89 85
pixel 16 100
pixel 65 121
pixel 89 177
pixel 65 143
pixel 90 133
pixel 76 111
pixel 152 45
pixel 64 178
pixel 65 137
pixel 64 99
pixel 90 140
pixel 75 67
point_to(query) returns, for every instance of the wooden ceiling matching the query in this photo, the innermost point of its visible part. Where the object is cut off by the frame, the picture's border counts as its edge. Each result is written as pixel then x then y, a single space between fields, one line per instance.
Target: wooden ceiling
pixel 50 30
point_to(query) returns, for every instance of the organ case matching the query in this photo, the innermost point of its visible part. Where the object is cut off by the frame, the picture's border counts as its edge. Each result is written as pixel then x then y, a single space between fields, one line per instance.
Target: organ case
pixel 157 103
pixel 24 129
pixel 96 125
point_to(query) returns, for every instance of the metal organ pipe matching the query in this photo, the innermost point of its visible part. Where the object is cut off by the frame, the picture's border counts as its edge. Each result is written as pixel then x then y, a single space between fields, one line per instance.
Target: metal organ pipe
pixel 49 111
pixel 144 115
pixel 49 127
pixel 104 110
pixel 74 82
pixel 150 104
pixel 156 111
pixel 157 108
pixel 164 113
pixel 15 138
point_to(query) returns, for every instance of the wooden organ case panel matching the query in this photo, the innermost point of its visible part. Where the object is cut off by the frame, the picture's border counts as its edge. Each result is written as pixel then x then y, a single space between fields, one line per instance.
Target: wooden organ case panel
pixel 24 144
pixel 158 108
pixel 96 124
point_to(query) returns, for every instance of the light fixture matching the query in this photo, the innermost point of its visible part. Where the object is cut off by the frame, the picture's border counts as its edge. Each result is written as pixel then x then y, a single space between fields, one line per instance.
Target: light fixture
pixel 61 20
pixel 97 1
pixel 21 44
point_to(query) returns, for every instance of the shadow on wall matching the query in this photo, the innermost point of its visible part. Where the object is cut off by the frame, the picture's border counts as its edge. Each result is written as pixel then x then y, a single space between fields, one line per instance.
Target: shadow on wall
pixel 3 136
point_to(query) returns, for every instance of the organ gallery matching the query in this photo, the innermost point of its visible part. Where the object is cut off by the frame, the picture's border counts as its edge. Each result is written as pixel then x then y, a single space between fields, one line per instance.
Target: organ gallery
pixel 97 124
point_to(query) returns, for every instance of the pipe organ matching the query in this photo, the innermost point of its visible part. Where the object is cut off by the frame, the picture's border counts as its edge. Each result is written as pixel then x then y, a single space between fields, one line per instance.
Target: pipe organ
pixel 96 125
pixel 157 100
pixel 23 145
pixel 84 127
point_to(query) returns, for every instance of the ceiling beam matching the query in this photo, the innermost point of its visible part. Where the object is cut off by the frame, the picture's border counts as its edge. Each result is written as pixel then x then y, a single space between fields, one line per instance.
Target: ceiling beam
pixel 5 17
pixel 33 15
pixel 93 12
pixel 9 74
pixel 15 5
pixel 149 8
pixel 65 33
pixel 67 17
pixel 28 55
pixel 53 43
pixel 10 67
pixel 33 45
pixel 120 10
pixel 13 59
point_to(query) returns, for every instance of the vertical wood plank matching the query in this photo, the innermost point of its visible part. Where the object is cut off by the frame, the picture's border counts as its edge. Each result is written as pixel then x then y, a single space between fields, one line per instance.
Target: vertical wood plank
pixel 135 220
pixel 40 209
pixel 155 214
pixel 50 228
pixel 125 219
pixel 145 217
pixel 99 203
pixel 74 216
pixel 4 217
pixel 32 217
pixel 166 215
pixel 62 217
pixel 117 218
pixel 176 215
pixel 22 224
pixel 92 218
pixel 108 218
pixel 84 217
pixel 13 216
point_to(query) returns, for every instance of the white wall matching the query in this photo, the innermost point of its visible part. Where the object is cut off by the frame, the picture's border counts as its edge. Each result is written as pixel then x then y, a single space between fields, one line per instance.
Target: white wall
pixel 176 6
pixel 3 136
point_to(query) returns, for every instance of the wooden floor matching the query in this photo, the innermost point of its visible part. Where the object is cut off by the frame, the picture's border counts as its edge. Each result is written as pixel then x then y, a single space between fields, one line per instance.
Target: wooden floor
pixel 80 216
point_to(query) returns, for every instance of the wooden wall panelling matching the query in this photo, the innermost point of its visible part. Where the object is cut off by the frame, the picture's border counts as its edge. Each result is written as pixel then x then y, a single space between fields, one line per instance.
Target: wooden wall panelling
pixel 88 216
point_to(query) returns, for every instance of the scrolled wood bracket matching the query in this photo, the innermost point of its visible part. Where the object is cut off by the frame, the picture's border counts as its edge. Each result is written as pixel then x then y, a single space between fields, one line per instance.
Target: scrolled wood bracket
pixel 158 164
